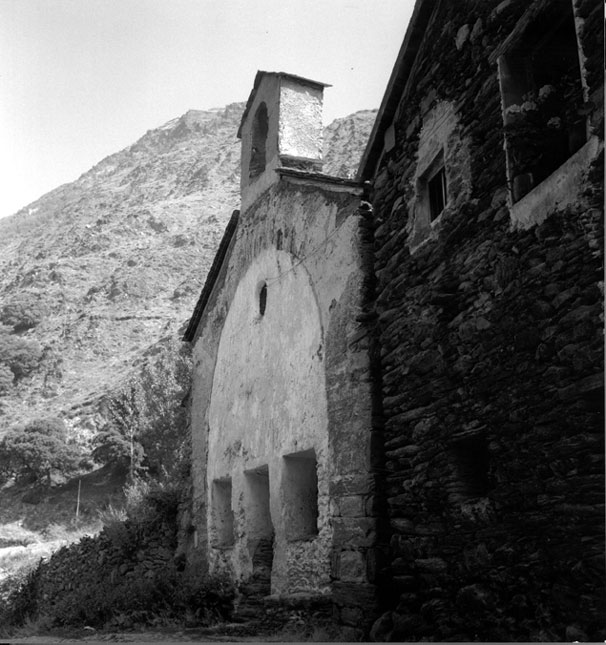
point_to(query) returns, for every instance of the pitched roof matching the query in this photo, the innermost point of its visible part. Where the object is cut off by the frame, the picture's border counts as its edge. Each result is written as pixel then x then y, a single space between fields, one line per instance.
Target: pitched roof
pixel 395 87
pixel 212 276
pixel 260 74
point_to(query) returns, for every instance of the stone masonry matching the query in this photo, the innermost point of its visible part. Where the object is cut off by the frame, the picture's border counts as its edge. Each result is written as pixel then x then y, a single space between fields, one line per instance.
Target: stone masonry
pixel 491 351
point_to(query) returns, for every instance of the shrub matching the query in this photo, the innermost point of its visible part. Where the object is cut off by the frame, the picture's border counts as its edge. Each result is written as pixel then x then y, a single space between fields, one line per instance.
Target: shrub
pixel 20 355
pixel 6 379
pixel 164 599
pixel 205 600
pixel 19 597
pixel 122 594
pixel 152 501
pixel 110 446
pixel 23 312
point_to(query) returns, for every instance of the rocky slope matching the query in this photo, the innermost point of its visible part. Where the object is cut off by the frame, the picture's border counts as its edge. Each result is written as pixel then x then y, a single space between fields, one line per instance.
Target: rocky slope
pixel 114 261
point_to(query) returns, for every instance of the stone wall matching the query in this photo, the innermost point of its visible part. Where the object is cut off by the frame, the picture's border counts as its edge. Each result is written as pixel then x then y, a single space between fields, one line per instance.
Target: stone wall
pixel 82 583
pixel 492 371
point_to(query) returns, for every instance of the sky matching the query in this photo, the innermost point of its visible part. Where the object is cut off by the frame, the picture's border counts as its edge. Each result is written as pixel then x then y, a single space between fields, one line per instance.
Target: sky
pixel 82 79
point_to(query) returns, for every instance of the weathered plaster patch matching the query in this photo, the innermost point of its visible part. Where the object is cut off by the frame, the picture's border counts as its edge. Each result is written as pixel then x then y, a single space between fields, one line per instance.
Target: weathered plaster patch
pixel 300 120
pixel 440 141
pixel 559 190
pixel 269 393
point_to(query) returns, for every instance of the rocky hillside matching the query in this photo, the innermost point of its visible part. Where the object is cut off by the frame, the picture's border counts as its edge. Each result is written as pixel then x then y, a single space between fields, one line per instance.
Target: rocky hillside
pixel 94 273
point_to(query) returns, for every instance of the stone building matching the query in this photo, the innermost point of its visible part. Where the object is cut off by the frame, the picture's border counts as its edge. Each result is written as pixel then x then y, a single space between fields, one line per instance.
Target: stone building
pixel 402 407
pixel 486 165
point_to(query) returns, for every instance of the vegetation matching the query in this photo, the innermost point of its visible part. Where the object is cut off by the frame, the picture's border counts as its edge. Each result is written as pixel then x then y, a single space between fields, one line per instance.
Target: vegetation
pixel 165 596
pixel 20 356
pixel 147 427
pixel 23 312
pixel 82 239
pixel 36 450
pixel 6 378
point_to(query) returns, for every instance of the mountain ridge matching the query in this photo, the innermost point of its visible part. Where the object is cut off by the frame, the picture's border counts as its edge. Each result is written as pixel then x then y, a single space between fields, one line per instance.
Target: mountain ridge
pixel 115 259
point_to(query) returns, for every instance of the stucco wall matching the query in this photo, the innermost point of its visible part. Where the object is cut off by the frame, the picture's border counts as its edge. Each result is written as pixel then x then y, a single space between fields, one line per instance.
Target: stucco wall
pixel 267 386
pixel 251 188
pixel 295 131
pixel 300 120
pixel 269 400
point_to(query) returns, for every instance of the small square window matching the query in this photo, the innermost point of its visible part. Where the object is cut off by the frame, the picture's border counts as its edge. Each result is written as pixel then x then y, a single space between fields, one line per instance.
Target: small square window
pixel 472 464
pixel 431 199
pixel 436 187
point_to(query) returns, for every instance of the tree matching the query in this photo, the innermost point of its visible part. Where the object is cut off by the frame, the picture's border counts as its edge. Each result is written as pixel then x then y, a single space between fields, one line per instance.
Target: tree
pixel 112 447
pixel 6 379
pixel 38 449
pixel 21 355
pixel 146 425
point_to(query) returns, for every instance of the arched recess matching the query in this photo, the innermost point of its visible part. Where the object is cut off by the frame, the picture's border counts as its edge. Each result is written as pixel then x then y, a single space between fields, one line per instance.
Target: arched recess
pixel 268 406
pixel 259 142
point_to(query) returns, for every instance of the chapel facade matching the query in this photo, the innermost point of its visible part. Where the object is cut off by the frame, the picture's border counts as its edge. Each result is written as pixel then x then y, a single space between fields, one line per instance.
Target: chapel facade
pixel 281 403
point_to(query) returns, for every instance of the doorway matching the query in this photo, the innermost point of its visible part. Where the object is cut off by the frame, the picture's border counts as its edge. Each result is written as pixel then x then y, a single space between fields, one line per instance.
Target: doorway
pixel 260 529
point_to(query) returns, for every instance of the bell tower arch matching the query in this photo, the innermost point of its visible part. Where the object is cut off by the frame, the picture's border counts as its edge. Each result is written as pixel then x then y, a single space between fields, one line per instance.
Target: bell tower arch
pixel 281 128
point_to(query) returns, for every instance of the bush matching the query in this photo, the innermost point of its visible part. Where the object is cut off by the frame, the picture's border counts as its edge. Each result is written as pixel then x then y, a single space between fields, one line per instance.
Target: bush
pixel 110 446
pixel 123 594
pixel 23 312
pixel 6 379
pixel 20 355
pixel 152 501
pixel 19 597
pixel 36 450
pixel 165 599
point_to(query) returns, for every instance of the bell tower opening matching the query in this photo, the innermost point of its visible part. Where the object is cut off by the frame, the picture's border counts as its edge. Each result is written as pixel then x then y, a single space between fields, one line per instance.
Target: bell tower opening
pixel 259 142
pixel 281 127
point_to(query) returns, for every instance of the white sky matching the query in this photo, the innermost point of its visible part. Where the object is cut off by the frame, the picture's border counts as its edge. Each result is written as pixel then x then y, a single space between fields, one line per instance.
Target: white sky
pixel 81 79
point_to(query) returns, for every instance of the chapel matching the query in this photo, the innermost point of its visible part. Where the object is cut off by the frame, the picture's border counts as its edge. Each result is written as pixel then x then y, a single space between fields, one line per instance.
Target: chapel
pixel 281 400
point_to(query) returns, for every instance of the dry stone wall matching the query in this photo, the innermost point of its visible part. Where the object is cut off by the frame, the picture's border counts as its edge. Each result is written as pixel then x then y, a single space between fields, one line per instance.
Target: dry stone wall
pixel 492 373
pixel 83 582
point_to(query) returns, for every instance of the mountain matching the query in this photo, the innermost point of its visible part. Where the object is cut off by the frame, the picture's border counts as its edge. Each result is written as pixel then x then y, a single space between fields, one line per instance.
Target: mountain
pixel 96 272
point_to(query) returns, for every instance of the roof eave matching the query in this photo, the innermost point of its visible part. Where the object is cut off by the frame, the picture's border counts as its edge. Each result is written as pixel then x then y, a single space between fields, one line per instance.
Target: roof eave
pixel 212 277
pixel 397 81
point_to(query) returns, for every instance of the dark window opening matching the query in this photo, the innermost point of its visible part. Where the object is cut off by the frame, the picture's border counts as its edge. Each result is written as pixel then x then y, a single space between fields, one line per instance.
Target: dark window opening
pixel 472 462
pixel 259 141
pixel 263 299
pixel 300 495
pixel 222 513
pixel 260 529
pixel 545 121
pixel 436 188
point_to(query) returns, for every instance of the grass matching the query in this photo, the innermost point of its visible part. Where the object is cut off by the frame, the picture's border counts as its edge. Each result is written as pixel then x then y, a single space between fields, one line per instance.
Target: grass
pixel 14 534
pixel 35 521
pixel 16 559
pixel 37 508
